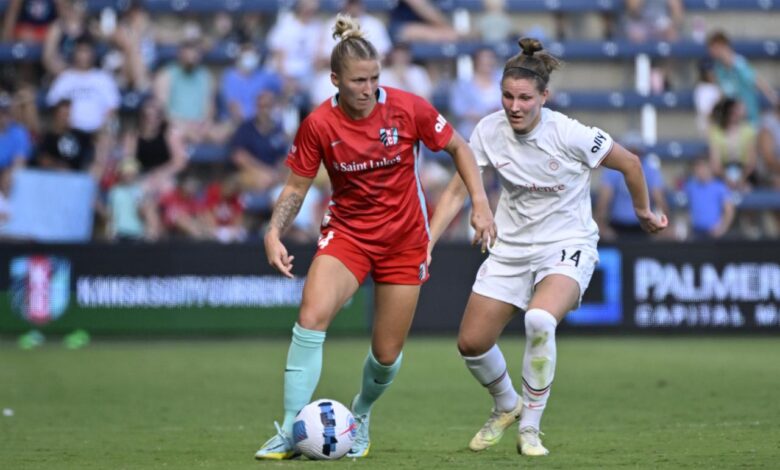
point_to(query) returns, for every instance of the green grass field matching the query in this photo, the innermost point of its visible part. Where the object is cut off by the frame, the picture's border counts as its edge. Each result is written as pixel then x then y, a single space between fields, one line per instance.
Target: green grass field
pixel 617 403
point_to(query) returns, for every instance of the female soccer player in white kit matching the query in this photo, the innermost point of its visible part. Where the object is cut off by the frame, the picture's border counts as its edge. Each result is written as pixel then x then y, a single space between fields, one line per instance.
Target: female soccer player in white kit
pixel 545 253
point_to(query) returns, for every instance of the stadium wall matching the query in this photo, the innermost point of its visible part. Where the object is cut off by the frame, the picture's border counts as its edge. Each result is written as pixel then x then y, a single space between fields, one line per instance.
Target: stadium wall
pixel 203 289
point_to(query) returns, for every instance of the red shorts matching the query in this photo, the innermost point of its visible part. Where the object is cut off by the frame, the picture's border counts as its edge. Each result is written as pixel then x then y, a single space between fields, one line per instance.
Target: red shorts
pixel 408 267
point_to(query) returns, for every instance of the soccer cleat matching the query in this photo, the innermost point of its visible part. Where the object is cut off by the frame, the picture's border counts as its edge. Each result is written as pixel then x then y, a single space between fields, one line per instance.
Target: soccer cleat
pixel 279 447
pixel 528 442
pixel 494 428
pixel 362 443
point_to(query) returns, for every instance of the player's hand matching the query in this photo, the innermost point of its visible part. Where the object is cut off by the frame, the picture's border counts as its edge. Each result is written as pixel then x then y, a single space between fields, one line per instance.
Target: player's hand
pixel 652 222
pixel 484 226
pixel 277 255
pixel 430 257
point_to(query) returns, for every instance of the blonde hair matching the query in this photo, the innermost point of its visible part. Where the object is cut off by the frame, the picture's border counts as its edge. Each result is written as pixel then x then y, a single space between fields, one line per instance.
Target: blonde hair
pixel 531 63
pixel 352 43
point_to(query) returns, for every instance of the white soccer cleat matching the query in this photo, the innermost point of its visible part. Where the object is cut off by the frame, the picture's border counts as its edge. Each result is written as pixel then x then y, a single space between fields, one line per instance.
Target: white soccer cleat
pixel 529 443
pixel 494 428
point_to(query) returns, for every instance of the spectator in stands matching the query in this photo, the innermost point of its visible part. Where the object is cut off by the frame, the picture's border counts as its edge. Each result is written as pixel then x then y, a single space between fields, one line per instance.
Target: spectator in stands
pixel 706 94
pixel 295 42
pixel 769 150
pixel 134 39
pixel 420 20
pixel 472 99
pixel 259 146
pixel 375 30
pixel 132 210
pixel 15 147
pixel 25 109
pixel 653 20
pixel 710 204
pixel 614 208
pixel 29 20
pixel 63 147
pixel 769 146
pixel 156 145
pixel 224 211
pixel 732 143
pixel 495 26
pixel 93 93
pixel 60 43
pixel 5 206
pixel 402 73
pixel 244 82
pixel 94 98
pixel 182 210
pixel 187 91
pixel 736 77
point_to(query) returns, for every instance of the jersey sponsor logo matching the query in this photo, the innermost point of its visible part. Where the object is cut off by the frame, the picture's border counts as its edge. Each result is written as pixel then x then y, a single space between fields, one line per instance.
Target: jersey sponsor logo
pixel 351 167
pixel 324 241
pixel 597 141
pixel 389 136
pixel 440 123
pixel 540 189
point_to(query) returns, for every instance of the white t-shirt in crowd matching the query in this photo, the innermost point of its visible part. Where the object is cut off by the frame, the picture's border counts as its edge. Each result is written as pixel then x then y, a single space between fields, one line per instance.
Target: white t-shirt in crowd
pixel 300 42
pixel 545 180
pixel 93 94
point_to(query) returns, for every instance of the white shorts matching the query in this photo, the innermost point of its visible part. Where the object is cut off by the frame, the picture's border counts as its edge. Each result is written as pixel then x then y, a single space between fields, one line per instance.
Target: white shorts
pixel 514 281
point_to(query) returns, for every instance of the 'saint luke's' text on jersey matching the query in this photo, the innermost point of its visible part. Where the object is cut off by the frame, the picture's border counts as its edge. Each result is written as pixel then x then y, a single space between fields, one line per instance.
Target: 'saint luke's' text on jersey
pixel 373 164
pixel 545 179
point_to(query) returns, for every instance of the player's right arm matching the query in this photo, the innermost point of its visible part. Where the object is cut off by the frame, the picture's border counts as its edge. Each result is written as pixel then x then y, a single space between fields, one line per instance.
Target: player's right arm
pixel 285 210
pixel 304 161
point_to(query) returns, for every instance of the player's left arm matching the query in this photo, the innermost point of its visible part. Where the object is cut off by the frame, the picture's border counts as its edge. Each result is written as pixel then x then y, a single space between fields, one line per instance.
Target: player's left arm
pixel 630 166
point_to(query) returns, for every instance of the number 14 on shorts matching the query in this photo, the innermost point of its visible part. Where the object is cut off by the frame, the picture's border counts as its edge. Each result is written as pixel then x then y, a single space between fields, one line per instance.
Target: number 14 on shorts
pixel 572 256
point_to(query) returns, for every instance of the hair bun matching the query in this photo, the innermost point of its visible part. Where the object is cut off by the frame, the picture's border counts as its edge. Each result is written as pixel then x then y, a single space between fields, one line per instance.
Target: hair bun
pixel 530 46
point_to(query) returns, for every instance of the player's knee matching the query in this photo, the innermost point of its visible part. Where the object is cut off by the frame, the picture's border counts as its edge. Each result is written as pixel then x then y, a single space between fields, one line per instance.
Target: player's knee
pixel 313 319
pixel 387 356
pixel 471 346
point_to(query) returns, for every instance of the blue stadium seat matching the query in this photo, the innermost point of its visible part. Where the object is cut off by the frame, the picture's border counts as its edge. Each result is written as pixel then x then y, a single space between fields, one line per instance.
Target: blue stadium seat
pixel 570 50
pixel 600 50
pixel 569 6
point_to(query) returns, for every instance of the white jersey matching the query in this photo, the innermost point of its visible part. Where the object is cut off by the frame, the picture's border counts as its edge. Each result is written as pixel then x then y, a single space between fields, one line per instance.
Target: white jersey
pixel 545 180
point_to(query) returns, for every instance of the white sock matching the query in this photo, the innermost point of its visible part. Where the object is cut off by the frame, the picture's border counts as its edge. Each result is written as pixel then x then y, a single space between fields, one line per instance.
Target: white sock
pixel 538 365
pixel 490 370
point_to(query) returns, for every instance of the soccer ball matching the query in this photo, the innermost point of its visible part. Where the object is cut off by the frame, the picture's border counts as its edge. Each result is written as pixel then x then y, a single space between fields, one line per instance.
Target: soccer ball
pixel 324 430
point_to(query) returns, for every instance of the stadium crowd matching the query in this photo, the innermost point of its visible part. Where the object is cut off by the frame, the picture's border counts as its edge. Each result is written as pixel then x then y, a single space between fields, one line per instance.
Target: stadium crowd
pixel 102 101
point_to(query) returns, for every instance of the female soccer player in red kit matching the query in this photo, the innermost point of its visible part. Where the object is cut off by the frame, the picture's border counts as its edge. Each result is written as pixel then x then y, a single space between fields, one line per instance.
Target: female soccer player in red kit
pixel 368 138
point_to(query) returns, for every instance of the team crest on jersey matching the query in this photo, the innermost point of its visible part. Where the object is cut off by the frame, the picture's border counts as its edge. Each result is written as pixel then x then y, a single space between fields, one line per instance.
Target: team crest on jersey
pixel 40 287
pixel 389 136
pixel 553 164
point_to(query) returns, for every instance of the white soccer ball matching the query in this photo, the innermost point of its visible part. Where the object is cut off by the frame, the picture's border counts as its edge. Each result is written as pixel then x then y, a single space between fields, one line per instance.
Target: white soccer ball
pixel 324 430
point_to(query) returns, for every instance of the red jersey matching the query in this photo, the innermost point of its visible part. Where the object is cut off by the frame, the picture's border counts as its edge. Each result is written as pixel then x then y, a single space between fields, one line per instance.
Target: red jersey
pixel 373 164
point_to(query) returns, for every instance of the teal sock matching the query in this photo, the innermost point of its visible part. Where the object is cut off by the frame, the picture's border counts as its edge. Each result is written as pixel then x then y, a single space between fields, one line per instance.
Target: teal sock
pixel 376 379
pixel 302 372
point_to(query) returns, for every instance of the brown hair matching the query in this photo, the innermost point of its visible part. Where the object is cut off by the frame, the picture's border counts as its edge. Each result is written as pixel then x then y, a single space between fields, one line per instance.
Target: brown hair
pixel 531 63
pixel 352 43
pixel 718 37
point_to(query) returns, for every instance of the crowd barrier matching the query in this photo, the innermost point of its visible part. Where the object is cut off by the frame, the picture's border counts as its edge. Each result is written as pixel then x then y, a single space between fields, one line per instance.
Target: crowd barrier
pixel 207 289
